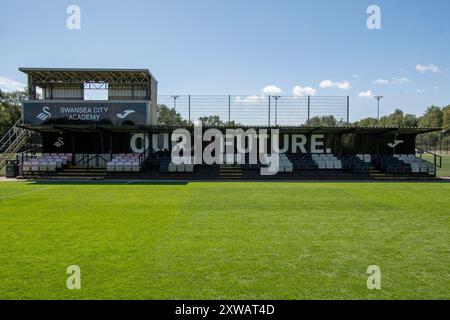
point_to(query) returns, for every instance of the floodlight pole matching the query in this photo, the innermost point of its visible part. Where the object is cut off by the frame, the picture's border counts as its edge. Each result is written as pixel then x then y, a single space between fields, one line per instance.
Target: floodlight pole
pixel 276 109
pixel 378 109
pixel 175 102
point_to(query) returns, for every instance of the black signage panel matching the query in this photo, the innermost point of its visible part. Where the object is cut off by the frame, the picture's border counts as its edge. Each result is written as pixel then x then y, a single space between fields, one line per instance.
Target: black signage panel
pixel 106 113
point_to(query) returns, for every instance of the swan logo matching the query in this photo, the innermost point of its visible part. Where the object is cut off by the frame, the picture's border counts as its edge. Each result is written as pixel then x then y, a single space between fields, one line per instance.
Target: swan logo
pixel 45 114
pixel 59 143
pixel 395 143
pixel 125 114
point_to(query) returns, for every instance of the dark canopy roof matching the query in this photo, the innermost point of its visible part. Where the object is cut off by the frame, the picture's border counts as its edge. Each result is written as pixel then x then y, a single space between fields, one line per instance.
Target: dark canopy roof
pixel 303 129
pixel 46 76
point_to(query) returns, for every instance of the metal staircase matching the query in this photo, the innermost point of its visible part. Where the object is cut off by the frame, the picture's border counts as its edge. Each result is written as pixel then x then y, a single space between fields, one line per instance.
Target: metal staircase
pixel 12 142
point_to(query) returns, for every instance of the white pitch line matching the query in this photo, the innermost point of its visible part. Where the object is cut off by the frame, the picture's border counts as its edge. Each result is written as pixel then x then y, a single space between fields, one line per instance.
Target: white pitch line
pixel 24 193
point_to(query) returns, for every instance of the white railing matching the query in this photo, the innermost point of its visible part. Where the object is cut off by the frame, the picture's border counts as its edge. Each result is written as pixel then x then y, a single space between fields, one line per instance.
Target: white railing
pixel 12 141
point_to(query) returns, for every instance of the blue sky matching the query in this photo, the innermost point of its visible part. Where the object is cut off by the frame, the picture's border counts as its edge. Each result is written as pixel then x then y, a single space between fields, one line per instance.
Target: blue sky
pixel 243 46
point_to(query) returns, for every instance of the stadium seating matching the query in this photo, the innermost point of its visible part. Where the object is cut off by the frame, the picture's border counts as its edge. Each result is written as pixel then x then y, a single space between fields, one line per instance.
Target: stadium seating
pixel 391 165
pixel 302 161
pixel 47 162
pixel 417 165
pixel 248 166
pixel 123 162
pixel 327 161
pixel 358 164
pixel 285 164
pixel 367 158
pixel 169 166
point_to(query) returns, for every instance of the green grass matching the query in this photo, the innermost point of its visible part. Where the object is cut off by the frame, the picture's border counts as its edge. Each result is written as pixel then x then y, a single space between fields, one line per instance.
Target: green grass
pixel 225 240
pixel 445 170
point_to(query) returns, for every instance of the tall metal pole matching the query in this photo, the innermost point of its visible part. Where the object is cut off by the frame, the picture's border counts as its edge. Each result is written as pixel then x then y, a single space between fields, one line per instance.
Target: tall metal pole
pixel 189 108
pixel 378 109
pixel 309 109
pixel 348 110
pixel 175 101
pixel 229 109
pixel 269 112
pixel 276 109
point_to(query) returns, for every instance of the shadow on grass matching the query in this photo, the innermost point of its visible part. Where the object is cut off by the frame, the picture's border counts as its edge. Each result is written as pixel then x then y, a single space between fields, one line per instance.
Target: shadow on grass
pixel 108 182
pixel 186 182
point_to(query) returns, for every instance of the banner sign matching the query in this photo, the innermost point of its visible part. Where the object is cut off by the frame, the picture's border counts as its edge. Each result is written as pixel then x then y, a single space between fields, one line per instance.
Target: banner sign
pixel 304 143
pixel 85 112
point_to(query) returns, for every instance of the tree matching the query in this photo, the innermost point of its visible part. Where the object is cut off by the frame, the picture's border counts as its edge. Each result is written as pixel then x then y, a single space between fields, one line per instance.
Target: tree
pixel 411 121
pixel 215 121
pixel 170 117
pixel 432 118
pixel 366 122
pixel 10 109
pixel 324 121
pixel 211 121
pixel 446 118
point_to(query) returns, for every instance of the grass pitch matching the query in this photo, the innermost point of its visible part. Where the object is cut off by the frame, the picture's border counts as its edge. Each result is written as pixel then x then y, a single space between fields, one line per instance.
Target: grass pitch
pixel 225 240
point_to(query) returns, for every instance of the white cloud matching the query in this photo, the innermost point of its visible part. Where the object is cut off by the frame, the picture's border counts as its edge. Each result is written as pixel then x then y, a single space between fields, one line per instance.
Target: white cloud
pixel 10 85
pixel 420 90
pixel 401 80
pixel 299 91
pixel 344 85
pixel 272 90
pixel 430 68
pixel 326 84
pixel 355 76
pixel 250 99
pixel 381 81
pixel 366 94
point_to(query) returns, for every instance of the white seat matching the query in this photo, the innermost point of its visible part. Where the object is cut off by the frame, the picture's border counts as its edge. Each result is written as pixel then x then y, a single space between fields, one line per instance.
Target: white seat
pixel 43 166
pixel 127 166
pixel 135 166
pixel 172 167
pixel 110 166
pixel 119 166
pixel 51 166
pixel 26 166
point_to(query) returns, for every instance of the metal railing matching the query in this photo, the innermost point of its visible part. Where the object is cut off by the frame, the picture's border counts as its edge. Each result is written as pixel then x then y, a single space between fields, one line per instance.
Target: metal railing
pixel 9 136
pixel 437 159
pixel 260 110
pixel 12 141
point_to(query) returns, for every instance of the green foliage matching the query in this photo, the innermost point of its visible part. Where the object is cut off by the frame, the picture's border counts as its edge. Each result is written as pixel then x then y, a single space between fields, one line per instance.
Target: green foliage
pixel 366 122
pixel 396 119
pixel 399 119
pixel 215 121
pixel 211 121
pixel 446 118
pixel 324 121
pixel 10 109
pixel 170 117
pixel 433 118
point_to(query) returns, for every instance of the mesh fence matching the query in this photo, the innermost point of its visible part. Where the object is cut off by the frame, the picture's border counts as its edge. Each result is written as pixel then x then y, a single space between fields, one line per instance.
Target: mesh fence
pixel 259 110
